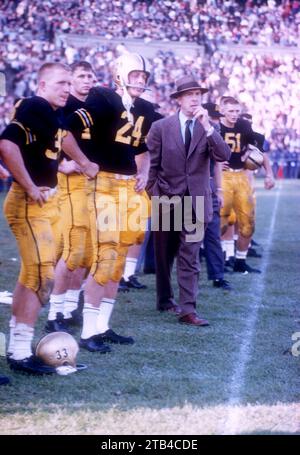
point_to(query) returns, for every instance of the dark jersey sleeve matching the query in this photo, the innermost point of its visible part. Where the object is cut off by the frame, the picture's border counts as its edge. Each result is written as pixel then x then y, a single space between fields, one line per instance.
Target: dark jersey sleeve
pixel 99 102
pixel 16 133
pixel 37 115
pixel 146 110
pixel 75 123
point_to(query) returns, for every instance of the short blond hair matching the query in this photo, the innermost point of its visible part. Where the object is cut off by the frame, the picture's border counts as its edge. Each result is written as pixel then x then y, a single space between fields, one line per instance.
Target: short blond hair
pixel 48 67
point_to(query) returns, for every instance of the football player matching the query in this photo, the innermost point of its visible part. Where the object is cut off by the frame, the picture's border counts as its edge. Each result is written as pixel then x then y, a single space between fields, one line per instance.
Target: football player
pixel 30 147
pixel 72 190
pixel 118 122
pixel 238 193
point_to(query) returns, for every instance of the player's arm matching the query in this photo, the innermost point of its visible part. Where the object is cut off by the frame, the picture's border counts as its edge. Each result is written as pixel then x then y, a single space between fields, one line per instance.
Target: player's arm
pixel 269 177
pixel 68 167
pixel 3 172
pixel 13 160
pixel 71 148
pixel 143 166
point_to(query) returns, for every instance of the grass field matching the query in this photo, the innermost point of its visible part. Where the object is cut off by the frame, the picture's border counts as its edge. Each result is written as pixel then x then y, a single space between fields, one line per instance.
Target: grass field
pixel 237 376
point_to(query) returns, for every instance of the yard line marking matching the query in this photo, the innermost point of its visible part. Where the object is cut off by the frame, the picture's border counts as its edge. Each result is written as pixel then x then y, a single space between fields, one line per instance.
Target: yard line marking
pixel 237 381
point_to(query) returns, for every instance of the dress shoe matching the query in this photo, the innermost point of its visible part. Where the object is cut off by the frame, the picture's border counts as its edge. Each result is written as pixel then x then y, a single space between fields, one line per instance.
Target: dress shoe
pixel 94 344
pixel 193 319
pixel 112 337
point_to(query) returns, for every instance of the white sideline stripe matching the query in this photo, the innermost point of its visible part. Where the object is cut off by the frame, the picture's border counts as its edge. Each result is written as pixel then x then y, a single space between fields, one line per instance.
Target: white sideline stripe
pixel 231 424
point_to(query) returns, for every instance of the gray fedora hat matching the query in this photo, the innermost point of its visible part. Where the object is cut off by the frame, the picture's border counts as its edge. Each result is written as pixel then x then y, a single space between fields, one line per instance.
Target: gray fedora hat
pixel 186 83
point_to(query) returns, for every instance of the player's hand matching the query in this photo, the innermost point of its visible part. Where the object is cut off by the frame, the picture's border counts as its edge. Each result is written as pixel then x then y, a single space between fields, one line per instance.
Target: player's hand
pixel 269 182
pixel 225 166
pixel 90 169
pixel 69 167
pixel 201 115
pixel 141 182
pixel 38 194
pixel 3 173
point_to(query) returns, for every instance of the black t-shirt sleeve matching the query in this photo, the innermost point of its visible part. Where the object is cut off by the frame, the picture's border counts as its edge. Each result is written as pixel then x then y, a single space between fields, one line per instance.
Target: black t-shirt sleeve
pixel 15 133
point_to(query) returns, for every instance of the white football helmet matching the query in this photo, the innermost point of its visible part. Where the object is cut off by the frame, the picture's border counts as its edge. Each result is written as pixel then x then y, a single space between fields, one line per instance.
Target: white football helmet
pixel 58 349
pixel 254 158
pixel 127 63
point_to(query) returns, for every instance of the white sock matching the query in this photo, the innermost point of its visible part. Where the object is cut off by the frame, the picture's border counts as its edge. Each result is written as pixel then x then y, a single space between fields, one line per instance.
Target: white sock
pixel 71 302
pixel 130 267
pixel 23 335
pixel 241 254
pixel 12 326
pixel 229 248
pixel 90 314
pixel 105 310
pixel 56 305
pixel 223 245
pixel 235 237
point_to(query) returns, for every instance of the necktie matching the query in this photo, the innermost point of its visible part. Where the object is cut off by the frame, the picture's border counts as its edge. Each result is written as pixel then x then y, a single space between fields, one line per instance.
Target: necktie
pixel 187 135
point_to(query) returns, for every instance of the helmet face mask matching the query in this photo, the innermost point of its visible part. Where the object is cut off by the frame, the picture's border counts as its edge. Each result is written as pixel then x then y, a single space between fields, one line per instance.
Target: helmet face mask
pixel 127 63
pixel 58 349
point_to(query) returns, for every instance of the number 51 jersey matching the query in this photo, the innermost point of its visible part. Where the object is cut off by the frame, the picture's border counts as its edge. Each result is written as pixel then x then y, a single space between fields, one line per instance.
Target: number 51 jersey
pixel 105 133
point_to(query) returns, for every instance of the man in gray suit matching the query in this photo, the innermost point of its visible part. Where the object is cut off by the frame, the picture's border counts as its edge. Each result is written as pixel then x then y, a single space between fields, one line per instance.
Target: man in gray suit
pixel 181 147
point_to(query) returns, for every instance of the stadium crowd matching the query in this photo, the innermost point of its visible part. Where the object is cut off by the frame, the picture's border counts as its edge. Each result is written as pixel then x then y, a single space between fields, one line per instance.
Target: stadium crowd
pixel 211 22
pixel 266 84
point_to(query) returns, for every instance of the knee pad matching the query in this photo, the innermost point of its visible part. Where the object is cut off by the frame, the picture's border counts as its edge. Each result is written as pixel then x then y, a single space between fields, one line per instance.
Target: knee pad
pixel 39 278
pixel 103 267
pixel 247 229
pixel 74 247
pixel 120 263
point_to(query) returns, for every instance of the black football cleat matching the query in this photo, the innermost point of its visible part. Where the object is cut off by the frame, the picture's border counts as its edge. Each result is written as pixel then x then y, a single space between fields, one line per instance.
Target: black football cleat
pixel 31 365
pixel 4 380
pixel 123 286
pixel 252 253
pixel 222 284
pixel 94 344
pixel 112 337
pixel 133 283
pixel 58 325
pixel 76 319
pixel 240 266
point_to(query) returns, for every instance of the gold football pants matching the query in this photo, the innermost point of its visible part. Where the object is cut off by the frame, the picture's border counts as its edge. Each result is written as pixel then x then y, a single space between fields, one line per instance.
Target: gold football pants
pixel 77 247
pixel 238 196
pixel 118 218
pixel 32 227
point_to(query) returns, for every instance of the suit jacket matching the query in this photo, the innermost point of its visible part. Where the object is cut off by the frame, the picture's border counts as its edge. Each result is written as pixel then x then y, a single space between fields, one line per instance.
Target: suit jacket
pixel 172 171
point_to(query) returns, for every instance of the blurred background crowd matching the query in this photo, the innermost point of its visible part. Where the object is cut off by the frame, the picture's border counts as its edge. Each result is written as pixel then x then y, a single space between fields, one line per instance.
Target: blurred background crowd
pixel 226 34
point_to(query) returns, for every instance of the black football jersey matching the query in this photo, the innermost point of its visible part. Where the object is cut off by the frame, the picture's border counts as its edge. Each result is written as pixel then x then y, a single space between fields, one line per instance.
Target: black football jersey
pixel 36 129
pixel 238 138
pixel 72 105
pixel 109 138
